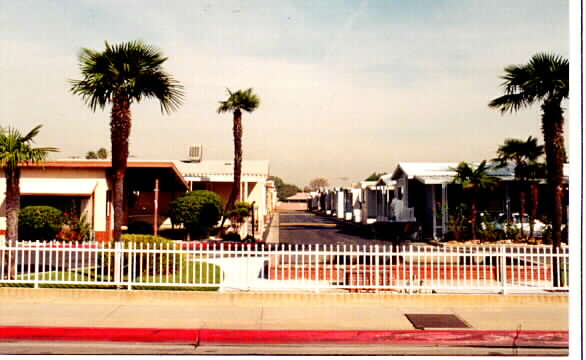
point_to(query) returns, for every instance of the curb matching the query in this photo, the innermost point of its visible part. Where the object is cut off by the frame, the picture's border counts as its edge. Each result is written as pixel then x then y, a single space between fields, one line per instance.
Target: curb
pixel 495 338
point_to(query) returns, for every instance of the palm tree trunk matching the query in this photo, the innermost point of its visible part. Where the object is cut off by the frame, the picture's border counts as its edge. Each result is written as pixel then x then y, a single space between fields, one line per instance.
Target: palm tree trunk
pixel 534 206
pixel 235 193
pixel 237 132
pixel 473 220
pixel 553 133
pixel 12 209
pixel 119 134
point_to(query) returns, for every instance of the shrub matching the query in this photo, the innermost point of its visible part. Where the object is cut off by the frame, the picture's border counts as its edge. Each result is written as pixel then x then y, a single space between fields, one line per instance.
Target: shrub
pixel 74 228
pixel 238 214
pixel 458 224
pixel 40 222
pixel 231 236
pixel 198 211
pixel 158 263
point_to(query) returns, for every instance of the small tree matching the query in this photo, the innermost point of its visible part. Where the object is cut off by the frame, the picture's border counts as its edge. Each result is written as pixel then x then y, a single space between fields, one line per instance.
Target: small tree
pixel 198 211
pixel 318 183
pixel 238 215
pixel 474 180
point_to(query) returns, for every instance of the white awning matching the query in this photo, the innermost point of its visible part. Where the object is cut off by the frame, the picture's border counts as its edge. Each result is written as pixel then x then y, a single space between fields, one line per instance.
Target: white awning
pixel 70 187
pixel 432 180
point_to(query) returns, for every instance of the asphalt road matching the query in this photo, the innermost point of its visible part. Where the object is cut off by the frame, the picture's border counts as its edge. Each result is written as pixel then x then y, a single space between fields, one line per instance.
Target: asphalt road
pixel 111 348
pixel 299 227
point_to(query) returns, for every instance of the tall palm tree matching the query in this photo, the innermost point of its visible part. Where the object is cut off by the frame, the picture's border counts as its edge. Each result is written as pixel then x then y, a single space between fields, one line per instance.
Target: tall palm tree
pixel 120 75
pixel 237 101
pixel 545 80
pixel 524 155
pixel 474 180
pixel 16 150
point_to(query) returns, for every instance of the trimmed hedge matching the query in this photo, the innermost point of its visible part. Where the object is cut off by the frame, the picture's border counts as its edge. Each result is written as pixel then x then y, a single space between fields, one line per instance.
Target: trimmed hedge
pixel 40 222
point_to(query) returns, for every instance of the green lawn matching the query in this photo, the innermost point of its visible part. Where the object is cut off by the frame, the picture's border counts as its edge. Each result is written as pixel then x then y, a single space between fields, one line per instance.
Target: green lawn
pixel 201 272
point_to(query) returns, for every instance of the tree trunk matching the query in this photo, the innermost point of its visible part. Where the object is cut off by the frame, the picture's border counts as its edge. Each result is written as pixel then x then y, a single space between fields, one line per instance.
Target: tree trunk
pixel 12 208
pixel 553 133
pixel 235 193
pixel 237 132
pixel 534 207
pixel 473 220
pixel 119 134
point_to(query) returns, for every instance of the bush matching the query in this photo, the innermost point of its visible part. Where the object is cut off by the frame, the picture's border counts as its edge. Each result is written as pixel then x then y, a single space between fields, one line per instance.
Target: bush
pixel 238 215
pixel 231 236
pixel 198 211
pixel 40 222
pixel 74 228
pixel 158 264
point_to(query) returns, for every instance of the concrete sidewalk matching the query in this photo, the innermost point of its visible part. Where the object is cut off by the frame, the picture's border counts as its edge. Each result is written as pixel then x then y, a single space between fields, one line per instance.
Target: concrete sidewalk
pixel 287 316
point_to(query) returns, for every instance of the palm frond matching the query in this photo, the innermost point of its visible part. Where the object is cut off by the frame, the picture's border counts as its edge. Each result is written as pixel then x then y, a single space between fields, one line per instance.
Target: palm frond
pixel 133 69
pixel 16 149
pixel 241 99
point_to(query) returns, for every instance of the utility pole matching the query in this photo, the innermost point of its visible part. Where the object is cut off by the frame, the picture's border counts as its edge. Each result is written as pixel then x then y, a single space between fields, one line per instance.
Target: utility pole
pixel 156 212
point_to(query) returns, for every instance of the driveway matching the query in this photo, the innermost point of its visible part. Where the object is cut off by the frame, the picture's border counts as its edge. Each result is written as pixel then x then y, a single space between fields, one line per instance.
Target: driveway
pixel 300 227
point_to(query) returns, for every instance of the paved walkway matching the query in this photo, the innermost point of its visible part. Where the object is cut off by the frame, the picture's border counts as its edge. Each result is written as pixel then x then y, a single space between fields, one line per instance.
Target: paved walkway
pixel 278 317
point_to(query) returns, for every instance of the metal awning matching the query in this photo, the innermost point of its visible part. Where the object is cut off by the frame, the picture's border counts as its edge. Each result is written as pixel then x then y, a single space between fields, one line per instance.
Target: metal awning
pixel 431 180
pixel 54 187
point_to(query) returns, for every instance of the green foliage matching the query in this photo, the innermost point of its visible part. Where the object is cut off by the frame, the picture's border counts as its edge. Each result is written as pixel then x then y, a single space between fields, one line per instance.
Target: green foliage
pixel 239 100
pixel 130 69
pixel 525 156
pixel 489 229
pixel 198 211
pixel 474 178
pixel 16 148
pixel 374 176
pixel 238 215
pixel 512 232
pixel 458 225
pixel 284 190
pixel 40 222
pixel 102 153
pixel 287 190
pixel 157 264
pixel 75 228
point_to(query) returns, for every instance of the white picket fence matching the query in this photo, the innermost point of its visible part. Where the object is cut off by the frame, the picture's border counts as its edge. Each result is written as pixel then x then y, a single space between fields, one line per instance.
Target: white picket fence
pixel 409 269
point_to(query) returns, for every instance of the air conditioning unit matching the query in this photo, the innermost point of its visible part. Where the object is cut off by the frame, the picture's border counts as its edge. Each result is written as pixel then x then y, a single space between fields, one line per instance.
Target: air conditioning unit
pixel 195 153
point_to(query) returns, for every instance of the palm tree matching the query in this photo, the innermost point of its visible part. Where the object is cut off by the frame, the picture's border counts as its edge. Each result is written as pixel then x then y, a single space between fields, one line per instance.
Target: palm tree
pixel 545 80
pixel 16 150
pixel 474 180
pixel 120 75
pixel 237 101
pixel 102 153
pixel 524 154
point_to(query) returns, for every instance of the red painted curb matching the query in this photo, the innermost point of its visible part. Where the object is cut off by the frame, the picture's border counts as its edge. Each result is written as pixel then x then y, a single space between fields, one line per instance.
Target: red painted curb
pixel 190 336
pixel 504 338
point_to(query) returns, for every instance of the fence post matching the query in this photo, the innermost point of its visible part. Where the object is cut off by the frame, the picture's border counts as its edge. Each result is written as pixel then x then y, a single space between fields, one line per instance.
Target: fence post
pixel 130 265
pixel 376 266
pixel 503 269
pixel 37 265
pixel 411 278
pixel 117 263
pixel 247 254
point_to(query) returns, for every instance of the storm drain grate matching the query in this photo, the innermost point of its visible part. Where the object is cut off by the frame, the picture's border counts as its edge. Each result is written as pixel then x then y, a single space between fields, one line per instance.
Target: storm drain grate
pixel 436 321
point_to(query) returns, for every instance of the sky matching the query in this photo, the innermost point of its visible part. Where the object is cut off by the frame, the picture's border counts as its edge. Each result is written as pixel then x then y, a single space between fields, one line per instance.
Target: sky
pixel 347 88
